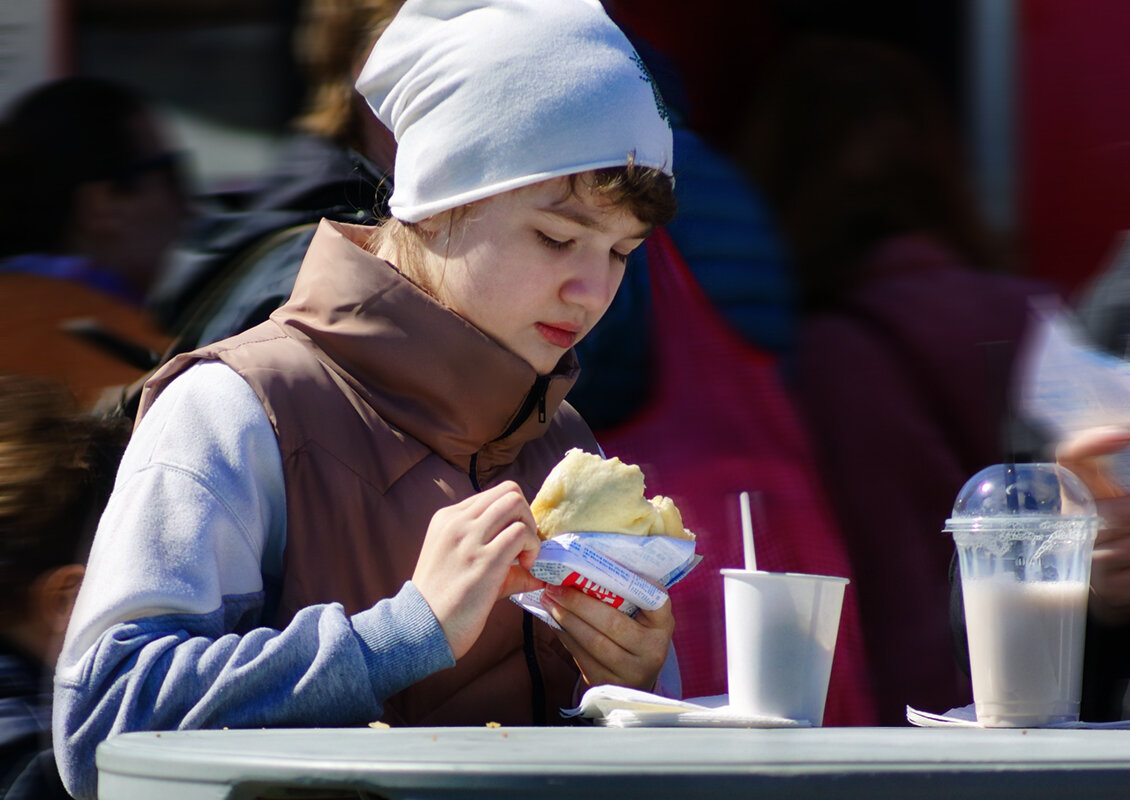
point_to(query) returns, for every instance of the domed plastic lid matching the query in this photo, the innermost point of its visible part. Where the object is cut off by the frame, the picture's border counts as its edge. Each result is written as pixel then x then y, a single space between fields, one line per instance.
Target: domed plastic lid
pixel 1013 496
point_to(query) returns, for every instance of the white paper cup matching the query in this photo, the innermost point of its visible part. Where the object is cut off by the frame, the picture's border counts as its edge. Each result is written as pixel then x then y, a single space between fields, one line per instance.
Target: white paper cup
pixel 781 630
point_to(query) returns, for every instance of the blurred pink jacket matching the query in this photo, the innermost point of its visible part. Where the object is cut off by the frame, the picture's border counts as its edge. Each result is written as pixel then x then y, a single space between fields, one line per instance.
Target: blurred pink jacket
pixel 905 390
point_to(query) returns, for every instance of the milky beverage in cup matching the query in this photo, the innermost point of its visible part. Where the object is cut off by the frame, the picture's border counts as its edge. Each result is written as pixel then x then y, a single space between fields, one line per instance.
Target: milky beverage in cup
pixel 1028 641
pixel 1024 535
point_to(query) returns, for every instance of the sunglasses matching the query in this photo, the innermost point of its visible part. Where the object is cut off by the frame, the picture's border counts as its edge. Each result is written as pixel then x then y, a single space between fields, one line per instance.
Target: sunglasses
pixel 172 163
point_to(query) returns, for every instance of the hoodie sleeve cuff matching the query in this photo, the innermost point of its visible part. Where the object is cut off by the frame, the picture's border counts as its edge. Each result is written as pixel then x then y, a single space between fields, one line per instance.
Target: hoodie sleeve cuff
pixel 402 641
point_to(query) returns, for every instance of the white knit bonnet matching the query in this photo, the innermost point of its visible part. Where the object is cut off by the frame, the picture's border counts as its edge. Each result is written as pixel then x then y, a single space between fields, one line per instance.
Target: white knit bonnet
pixel 485 96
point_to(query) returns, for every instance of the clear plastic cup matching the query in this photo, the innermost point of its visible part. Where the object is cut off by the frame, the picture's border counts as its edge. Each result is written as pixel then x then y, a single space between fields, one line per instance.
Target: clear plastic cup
pixel 781 630
pixel 1024 535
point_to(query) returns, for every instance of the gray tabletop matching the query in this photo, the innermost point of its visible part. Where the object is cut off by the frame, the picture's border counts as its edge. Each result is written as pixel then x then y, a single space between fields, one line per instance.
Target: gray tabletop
pixel 640 763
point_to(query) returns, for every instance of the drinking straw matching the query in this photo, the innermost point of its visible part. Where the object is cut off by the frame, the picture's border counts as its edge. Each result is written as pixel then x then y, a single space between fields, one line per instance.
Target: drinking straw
pixel 996 360
pixel 747 532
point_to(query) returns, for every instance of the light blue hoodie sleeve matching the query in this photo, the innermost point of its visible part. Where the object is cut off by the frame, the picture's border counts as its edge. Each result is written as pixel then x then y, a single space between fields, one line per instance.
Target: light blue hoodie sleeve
pixel 165 634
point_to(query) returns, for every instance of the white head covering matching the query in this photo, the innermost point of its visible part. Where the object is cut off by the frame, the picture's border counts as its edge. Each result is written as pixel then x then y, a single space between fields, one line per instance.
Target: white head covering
pixel 485 96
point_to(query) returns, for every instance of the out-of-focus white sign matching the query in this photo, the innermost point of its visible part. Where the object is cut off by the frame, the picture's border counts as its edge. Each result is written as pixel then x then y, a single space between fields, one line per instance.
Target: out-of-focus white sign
pixel 1068 385
pixel 31 35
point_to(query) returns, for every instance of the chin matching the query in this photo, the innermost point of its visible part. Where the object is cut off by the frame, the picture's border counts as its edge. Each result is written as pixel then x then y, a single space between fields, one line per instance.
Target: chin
pixel 543 365
pixel 542 356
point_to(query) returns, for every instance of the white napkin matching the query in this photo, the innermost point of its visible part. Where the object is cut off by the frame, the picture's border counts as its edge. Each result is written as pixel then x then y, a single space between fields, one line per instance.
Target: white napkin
pixel 620 707
pixel 966 717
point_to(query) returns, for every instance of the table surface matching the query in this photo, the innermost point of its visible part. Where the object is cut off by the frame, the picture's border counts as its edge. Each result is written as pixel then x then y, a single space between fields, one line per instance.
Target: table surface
pixel 641 763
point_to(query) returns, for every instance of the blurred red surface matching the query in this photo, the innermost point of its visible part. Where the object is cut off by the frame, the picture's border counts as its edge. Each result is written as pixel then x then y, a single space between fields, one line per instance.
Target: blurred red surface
pixel 1074 131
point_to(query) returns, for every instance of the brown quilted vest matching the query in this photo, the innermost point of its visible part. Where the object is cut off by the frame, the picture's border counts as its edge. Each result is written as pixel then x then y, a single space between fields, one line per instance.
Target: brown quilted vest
pixel 388 407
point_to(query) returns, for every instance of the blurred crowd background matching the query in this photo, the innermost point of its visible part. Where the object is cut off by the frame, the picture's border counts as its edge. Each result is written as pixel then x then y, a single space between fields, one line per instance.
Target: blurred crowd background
pixel 824 209
pixel 1036 84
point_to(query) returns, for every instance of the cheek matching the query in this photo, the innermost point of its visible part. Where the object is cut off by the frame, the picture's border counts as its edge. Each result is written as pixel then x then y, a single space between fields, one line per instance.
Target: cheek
pixel 614 280
pixel 506 280
pixel 474 294
pixel 497 287
pixel 160 215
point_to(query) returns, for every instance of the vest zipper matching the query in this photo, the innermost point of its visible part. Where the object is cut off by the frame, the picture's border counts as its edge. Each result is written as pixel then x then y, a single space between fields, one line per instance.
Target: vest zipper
pixel 536 397
pixel 473 472
pixel 537 682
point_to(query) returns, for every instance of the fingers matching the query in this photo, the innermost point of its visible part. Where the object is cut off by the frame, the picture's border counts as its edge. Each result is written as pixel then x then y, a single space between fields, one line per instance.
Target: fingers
pixel 662 618
pixel 473 554
pixel 593 665
pixel 1115 527
pixel 502 504
pixel 516 548
pixel 597 626
pixel 507 523
pixel 1094 442
pixel 498 518
pixel 608 645
pixel 1110 563
pixel 1085 454
pixel 518 579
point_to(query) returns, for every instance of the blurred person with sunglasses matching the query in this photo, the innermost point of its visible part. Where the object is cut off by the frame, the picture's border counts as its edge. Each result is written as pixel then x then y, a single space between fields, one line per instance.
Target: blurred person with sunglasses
pixel 93 197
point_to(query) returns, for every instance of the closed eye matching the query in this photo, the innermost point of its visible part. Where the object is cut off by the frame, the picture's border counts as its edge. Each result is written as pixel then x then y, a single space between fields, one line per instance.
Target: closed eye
pixel 553 244
pixel 557 244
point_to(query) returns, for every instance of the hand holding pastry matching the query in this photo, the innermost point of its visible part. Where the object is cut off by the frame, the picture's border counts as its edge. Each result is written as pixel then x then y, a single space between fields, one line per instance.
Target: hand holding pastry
pixel 610 647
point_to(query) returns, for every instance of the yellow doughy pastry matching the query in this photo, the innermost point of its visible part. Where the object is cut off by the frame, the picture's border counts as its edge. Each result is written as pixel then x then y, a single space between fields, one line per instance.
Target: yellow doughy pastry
pixel 585 492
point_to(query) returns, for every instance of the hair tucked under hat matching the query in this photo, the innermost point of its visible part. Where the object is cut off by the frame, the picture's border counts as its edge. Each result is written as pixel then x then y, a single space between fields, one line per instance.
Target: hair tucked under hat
pixel 485 96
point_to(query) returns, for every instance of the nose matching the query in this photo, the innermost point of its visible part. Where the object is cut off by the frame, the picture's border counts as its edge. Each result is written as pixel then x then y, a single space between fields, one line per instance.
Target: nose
pixel 592 282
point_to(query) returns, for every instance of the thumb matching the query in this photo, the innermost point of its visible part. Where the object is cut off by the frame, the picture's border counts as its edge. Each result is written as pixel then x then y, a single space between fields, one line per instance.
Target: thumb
pixel 519 579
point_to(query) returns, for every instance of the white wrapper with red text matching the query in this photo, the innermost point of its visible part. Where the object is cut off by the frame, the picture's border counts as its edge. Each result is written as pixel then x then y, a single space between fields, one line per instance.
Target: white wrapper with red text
pixel 627 572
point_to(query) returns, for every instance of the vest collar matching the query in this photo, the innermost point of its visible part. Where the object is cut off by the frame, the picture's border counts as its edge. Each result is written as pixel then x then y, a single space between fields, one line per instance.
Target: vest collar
pixel 424 369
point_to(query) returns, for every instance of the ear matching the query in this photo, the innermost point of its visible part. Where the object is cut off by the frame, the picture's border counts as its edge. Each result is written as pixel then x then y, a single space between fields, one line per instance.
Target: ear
pixel 54 593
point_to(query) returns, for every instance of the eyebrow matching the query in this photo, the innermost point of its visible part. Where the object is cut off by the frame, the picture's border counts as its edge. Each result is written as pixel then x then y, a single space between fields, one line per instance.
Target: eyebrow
pixel 587 221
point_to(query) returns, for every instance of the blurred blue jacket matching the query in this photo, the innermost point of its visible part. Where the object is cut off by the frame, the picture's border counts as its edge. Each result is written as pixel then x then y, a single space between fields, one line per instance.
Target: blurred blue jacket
pixel 312 178
pixel 27 762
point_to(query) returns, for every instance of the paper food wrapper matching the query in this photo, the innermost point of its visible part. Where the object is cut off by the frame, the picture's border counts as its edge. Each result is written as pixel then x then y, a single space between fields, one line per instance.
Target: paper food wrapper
pixel 627 572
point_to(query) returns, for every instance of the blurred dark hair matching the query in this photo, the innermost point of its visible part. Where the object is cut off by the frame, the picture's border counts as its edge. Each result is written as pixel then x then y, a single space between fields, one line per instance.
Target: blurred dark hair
pixel 332 41
pixel 57 468
pixel 52 140
pixel 852 143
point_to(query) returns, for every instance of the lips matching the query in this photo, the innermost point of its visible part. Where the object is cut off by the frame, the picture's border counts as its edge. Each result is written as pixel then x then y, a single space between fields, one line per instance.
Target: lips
pixel 559 334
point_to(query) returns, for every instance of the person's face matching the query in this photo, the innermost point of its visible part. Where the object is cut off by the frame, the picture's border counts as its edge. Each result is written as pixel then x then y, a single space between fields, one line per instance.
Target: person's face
pixel 534 268
pixel 154 207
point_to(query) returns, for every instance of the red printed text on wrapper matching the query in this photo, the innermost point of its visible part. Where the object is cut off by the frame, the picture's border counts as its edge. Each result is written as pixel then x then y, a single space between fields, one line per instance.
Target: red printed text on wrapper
pixel 593 589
